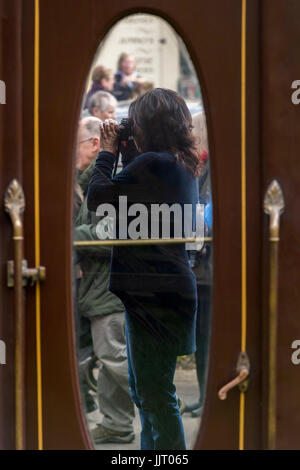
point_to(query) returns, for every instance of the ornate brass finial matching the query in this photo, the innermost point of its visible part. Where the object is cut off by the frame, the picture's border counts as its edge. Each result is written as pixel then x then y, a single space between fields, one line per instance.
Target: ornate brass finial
pixel 274 198
pixel 14 199
pixel 274 206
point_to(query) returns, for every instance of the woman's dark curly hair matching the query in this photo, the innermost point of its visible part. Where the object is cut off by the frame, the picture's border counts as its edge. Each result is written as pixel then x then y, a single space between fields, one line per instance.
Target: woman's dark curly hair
pixel 162 122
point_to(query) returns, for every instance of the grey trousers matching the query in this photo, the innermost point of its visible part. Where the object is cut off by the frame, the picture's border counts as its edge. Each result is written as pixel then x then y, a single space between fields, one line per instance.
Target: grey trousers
pixel 109 342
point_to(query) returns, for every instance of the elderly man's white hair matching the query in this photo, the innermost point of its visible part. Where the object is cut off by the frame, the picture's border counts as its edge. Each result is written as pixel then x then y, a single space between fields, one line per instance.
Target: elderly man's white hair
pixel 91 126
pixel 101 100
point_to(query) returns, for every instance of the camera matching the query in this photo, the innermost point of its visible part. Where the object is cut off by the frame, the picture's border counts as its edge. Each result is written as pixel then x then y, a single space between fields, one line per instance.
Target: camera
pixel 126 145
pixel 125 130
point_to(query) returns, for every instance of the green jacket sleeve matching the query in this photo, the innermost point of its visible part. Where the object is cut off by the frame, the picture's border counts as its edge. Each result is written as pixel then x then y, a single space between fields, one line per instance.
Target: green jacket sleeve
pixel 87 232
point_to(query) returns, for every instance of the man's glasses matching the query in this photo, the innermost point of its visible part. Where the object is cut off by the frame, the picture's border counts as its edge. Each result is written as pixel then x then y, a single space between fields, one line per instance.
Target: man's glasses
pixel 85 140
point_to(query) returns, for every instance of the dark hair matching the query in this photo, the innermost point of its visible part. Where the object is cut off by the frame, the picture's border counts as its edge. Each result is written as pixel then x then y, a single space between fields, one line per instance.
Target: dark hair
pixel 162 122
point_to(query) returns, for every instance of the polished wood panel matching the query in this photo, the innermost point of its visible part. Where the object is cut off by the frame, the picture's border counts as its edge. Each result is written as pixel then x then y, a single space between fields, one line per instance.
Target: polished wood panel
pixel 280 151
pixel 10 167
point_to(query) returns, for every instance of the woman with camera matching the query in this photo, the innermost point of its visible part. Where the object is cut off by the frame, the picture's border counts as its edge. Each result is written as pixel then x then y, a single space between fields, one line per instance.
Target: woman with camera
pixel 154 282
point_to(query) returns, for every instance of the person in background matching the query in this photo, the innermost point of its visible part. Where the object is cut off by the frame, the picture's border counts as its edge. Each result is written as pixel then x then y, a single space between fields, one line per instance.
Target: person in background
pixel 202 266
pixel 102 309
pixel 87 146
pixel 103 105
pixel 127 80
pixel 103 80
pixel 87 143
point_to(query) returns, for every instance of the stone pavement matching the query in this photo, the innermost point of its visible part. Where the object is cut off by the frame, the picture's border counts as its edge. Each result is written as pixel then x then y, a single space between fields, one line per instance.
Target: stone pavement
pixel 187 390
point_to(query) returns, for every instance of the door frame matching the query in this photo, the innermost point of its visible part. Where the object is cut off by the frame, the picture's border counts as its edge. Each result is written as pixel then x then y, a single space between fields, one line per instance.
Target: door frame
pixel 58 401
pixel 43 116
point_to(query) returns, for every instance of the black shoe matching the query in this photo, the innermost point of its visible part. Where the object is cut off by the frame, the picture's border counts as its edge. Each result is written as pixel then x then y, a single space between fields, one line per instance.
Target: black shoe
pixel 192 406
pixel 197 412
pixel 102 435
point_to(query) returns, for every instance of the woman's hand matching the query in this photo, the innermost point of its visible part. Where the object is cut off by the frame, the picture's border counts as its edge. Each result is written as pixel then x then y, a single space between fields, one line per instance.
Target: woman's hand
pixel 109 136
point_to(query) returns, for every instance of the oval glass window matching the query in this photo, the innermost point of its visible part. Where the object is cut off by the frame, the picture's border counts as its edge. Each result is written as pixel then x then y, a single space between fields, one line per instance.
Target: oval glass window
pixel 142 262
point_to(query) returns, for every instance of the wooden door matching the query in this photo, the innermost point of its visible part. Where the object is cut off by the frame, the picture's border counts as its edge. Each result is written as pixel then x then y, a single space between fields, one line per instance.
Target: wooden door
pixel 10 167
pixel 240 71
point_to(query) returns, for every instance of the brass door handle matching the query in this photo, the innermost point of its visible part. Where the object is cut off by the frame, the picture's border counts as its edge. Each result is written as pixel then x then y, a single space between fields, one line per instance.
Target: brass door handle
pixel 29 275
pixel 14 204
pixel 18 273
pixel 274 207
pixel 243 371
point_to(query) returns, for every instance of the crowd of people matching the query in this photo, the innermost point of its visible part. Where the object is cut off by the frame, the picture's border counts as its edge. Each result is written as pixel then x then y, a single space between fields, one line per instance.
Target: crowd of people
pixel 134 358
pixel 125 84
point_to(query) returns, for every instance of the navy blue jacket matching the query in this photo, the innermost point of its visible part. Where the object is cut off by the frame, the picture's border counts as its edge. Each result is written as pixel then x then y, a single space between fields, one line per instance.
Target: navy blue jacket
pixel 150 178
pixel 122 93
pixel 161 270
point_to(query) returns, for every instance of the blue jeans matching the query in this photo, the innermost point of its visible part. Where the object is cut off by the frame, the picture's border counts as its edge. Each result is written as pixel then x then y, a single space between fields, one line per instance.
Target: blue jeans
pixel 203 337
pixel 151 369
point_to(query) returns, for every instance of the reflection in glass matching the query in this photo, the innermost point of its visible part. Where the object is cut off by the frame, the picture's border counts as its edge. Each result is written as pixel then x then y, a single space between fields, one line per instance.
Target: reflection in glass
pixel 140 53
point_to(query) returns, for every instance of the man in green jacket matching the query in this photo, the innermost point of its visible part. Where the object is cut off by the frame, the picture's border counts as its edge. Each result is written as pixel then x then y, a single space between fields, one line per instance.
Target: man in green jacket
pixel 104 310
